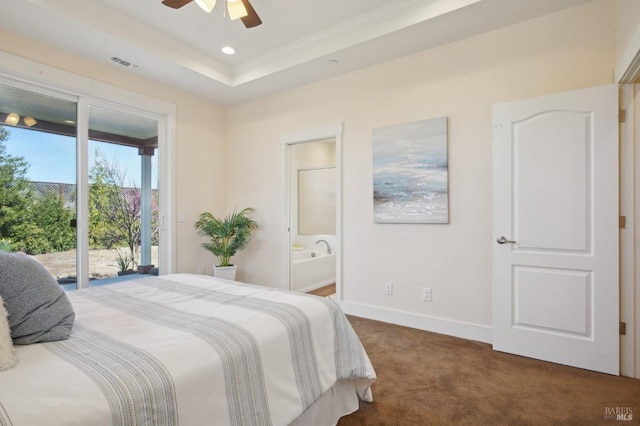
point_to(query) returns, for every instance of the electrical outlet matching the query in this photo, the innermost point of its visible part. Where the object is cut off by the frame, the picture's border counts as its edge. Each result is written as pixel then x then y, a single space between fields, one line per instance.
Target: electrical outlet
pixel 426 294
pixel 388 289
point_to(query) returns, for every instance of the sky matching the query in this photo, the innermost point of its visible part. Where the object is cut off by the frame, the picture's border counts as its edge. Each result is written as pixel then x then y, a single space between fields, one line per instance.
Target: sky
pixel 52 158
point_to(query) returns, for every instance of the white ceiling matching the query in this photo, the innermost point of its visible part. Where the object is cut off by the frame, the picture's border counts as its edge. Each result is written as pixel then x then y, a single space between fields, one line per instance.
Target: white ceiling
pixel 299 42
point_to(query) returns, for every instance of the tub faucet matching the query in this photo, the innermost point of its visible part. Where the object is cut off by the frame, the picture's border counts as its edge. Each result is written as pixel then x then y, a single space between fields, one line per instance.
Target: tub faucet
pixel 328 246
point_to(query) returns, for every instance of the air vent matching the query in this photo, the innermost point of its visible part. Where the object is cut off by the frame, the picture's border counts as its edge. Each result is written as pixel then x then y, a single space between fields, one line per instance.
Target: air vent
pixel 123 62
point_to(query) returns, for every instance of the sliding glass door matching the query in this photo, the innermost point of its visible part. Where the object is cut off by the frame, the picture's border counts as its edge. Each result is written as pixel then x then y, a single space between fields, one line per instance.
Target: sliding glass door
pixel 38 191
pixel 78 184
pixel 123 194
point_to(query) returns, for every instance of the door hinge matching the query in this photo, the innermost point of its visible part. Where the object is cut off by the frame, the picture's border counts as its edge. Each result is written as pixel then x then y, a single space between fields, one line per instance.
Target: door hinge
pixel 623 222
pixel 623 328
pixel 622 116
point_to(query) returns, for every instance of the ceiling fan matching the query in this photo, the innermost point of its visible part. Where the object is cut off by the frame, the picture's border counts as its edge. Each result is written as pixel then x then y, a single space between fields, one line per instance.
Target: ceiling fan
pixel 237 9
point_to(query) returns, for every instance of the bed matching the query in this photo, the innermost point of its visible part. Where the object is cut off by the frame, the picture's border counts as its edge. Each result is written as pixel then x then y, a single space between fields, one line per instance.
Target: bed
pixel 189 349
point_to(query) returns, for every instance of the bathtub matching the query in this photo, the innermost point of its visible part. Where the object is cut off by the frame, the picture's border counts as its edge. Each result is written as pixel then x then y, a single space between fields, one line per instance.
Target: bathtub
pixel 312 269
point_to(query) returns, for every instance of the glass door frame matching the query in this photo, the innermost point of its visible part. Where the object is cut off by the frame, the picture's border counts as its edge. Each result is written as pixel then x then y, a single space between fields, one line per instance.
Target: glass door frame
pixel 84 105
pixel 166 126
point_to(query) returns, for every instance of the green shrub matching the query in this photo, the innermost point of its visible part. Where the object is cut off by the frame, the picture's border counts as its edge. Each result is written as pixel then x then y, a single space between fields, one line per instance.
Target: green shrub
pixel 125 260
pixel 31 239
pixel 49 213
pixel 5 245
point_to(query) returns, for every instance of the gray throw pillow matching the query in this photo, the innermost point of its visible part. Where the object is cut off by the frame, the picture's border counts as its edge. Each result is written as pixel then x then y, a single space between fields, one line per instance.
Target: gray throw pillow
pixel 39 310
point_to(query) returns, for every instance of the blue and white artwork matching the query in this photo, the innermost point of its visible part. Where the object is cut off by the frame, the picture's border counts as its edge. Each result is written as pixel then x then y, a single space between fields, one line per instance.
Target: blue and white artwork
pixel 410 173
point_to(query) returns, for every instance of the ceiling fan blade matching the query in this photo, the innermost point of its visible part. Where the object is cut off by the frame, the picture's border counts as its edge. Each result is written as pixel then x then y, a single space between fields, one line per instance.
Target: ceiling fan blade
pixel 252 19
pixel 176 4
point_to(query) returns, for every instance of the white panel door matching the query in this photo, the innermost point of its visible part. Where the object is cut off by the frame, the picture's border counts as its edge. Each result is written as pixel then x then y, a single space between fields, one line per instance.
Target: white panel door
pixel 555 225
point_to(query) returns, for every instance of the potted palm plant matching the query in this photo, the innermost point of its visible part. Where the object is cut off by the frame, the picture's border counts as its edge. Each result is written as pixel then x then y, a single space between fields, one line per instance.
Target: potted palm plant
pixel 227 236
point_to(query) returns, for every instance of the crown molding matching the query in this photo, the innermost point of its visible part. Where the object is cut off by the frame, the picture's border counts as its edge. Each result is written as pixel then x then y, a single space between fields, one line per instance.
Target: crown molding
pixel 377 23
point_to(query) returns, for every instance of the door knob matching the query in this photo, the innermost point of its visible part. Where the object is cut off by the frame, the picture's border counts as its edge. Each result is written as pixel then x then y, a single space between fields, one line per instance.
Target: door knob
pixel 502 240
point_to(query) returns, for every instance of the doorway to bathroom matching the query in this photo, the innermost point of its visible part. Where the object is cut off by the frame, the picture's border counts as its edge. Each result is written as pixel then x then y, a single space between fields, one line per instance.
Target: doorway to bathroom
pixel 312 188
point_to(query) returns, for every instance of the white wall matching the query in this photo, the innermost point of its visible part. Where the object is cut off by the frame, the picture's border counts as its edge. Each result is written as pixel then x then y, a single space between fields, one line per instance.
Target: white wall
pixel 200 166
pixel 232 158
pixel 567 50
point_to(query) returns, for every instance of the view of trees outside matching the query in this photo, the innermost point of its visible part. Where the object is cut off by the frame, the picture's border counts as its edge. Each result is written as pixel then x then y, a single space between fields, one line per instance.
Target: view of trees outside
pixel 115 211
pixel 39 221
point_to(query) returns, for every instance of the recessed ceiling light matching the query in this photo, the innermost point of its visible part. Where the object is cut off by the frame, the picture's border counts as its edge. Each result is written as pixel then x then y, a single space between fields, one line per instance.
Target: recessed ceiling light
pixel 228 50
pixel 69 122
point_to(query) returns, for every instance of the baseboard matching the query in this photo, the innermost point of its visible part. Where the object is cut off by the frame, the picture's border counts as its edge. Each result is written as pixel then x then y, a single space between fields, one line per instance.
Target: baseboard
pixel 437 325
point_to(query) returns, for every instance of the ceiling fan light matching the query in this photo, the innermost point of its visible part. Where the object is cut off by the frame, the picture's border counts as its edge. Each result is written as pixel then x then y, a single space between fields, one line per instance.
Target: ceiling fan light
pixel 206 5
pixel 236 9
pixel 30 121
pixel 12 119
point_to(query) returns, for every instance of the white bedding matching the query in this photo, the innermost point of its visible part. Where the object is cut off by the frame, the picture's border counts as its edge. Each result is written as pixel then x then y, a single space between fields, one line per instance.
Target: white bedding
pixel 189 350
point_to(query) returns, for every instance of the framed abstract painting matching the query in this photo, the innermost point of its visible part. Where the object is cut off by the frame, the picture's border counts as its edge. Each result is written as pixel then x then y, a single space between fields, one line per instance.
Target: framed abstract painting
pixel 411 173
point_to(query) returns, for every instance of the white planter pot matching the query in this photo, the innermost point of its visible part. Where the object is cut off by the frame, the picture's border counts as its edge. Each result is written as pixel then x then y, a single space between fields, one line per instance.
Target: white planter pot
pixel 225 272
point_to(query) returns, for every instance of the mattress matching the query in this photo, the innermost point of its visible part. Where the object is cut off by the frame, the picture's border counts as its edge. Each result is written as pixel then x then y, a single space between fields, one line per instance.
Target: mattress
pixel 187 350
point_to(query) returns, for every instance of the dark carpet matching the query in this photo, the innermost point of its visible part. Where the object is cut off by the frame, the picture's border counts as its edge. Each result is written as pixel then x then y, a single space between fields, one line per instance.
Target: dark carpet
pixel 432 379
